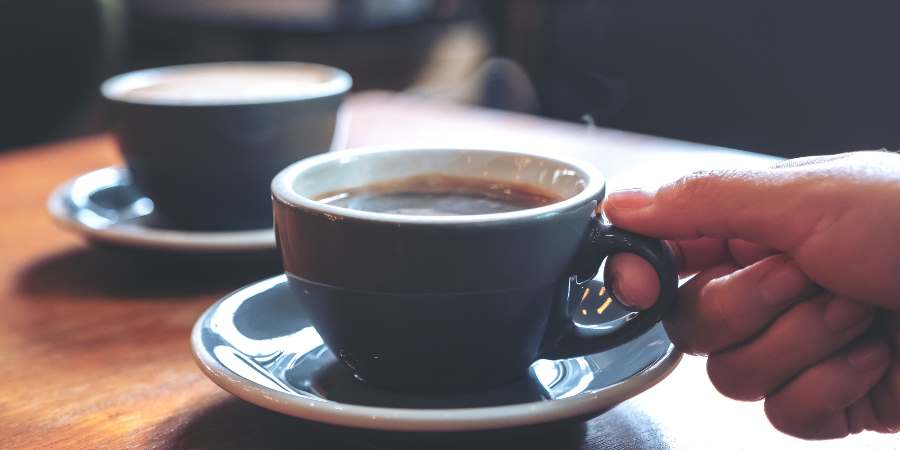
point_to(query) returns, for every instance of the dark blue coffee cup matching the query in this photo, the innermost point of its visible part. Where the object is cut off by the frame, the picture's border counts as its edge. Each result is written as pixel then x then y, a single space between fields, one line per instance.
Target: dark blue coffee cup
pixel 206 155
pixel 453 303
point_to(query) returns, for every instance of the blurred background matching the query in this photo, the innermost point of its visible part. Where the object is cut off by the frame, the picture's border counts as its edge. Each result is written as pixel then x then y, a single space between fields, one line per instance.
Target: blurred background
pixel 785 78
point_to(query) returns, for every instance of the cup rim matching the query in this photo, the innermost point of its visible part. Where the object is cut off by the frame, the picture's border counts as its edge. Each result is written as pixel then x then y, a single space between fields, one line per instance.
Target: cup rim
pixel 111 89
pixel 283 191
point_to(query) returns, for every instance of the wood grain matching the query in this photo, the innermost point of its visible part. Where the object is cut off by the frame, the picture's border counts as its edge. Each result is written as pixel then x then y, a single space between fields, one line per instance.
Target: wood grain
pixel 94 342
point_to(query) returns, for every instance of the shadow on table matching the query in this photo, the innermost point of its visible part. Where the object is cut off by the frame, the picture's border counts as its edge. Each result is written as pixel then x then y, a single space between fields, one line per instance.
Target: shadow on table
pixel 93 272
pixel 235 424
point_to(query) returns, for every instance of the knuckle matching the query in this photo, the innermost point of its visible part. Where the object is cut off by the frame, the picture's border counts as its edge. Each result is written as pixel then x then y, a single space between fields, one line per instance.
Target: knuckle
pixel 687 189
pixel 700 325
pixel 719 298
pixel 786 419
pixel 731 380
pixel 700 189
pixel 721 326
pixel 691 334
pixel 684 335
pixel 779 419
pixel 705 183
pixel 677 336
pixel 887 412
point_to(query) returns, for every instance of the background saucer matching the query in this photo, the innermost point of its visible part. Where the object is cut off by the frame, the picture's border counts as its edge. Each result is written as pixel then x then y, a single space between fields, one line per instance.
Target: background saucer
pixel 103 206
pixel 258 344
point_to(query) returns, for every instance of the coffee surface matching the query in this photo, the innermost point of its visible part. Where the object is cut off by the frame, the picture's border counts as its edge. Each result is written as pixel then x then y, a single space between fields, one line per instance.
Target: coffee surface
pixel 229 83
pixel 441 195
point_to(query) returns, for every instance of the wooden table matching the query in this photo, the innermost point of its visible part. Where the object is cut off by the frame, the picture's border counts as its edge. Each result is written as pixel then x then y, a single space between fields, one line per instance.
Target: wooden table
pixel 94 344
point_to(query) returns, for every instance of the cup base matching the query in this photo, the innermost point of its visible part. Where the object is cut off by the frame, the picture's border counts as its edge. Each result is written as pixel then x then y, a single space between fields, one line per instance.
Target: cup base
pixel 440 343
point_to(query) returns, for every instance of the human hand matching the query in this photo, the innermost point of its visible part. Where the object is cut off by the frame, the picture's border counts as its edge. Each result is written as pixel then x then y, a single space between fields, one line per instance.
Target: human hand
pixel 796 297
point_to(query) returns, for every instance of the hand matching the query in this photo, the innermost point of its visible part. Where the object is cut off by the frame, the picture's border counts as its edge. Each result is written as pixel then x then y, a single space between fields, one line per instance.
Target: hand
pixel 796 293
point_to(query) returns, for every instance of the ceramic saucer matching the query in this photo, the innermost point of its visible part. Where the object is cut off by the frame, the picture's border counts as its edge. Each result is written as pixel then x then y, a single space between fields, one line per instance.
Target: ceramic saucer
pixel 258 344
pixel 105 207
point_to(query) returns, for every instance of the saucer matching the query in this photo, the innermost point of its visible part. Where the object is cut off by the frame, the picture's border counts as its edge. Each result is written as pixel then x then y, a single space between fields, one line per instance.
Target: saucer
pixel 258 344
pixel 105 207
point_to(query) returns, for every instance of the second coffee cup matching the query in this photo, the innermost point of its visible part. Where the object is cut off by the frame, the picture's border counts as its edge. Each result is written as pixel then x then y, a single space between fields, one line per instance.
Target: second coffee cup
pixel 203 141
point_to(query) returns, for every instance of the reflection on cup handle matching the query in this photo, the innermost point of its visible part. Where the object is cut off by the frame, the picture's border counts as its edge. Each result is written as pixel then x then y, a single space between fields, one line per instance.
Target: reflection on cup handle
pixel 567 339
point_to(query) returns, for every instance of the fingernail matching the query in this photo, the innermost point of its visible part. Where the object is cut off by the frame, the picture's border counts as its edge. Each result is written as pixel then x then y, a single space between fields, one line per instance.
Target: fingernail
pixel 869 356
pixel 783 283
pixel 633 198
pixel 842 314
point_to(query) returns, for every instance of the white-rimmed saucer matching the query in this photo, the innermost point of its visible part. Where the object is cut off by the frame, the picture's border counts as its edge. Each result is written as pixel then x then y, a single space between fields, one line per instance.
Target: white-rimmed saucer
pixel 105 207
pixel 258 344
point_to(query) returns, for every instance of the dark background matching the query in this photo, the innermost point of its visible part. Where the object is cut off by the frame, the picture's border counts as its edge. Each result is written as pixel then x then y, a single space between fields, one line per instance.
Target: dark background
pixel 788 78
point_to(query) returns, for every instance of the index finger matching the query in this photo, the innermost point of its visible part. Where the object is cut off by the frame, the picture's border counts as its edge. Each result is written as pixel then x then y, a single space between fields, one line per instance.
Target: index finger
pixel 745 204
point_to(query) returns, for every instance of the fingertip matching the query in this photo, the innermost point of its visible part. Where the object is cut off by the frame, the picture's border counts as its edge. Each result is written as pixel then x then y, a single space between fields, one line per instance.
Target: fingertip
pixel 632 280
pixel 730 380
pixel 861 415
pixel 824 427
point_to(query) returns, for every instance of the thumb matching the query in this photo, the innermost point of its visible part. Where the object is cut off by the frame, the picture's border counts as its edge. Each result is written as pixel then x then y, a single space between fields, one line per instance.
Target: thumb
pixel 774 208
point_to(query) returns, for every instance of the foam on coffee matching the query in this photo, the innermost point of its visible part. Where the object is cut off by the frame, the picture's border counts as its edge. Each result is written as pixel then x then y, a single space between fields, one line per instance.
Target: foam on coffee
pixel 224 83
pixel 441 195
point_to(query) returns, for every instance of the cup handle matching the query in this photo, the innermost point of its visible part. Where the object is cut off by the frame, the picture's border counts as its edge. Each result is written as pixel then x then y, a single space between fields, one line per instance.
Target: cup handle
pixel 565 338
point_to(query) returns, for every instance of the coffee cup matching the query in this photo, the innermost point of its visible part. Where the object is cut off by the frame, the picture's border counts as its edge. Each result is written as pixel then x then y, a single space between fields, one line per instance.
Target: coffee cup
pixel 203 141
pixel 436 271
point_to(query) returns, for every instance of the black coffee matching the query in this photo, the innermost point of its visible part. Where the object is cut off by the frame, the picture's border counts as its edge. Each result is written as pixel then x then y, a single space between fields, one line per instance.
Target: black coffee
pixel 441 195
